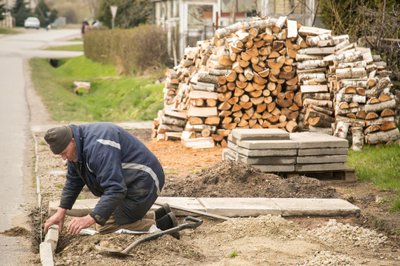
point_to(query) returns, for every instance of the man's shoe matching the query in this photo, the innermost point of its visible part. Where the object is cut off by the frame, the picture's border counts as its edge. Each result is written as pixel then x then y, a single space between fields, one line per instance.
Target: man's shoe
pixel 174 222
pixel 162 211
pixel 168 221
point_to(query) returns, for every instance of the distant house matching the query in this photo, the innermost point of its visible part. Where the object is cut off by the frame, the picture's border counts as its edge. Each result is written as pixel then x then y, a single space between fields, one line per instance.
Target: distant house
pixel 9 4
pixel 9 21
pixel 187 21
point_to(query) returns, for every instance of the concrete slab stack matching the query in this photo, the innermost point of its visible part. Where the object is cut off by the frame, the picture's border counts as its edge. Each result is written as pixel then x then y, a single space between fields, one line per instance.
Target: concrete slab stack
pixel 269 150
pixel 275 150
pixel 319 152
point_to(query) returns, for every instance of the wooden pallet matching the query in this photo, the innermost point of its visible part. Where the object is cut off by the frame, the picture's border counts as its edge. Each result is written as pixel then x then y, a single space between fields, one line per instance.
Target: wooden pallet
pixel 346 175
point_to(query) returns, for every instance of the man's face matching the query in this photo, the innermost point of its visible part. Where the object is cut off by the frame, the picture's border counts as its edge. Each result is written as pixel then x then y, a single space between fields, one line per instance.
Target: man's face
pixel 70 152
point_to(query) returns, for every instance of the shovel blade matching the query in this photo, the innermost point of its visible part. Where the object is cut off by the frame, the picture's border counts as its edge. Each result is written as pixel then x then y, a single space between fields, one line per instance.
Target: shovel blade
pixel 111 251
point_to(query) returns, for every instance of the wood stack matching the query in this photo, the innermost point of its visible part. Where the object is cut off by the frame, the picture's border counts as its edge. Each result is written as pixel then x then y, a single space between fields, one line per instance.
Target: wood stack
pixel 202 98
pixel 169 124
pixel 382 102
pixel 275 73
pixel 317 113
pixel 171 121
pixel 365 105
pixel 260 90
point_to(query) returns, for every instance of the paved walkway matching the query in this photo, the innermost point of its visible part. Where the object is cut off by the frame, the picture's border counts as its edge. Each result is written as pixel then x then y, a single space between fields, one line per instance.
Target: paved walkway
pixel 16 185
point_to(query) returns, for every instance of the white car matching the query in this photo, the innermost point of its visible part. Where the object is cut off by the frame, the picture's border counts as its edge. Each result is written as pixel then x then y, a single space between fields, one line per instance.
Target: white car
pixel 32 22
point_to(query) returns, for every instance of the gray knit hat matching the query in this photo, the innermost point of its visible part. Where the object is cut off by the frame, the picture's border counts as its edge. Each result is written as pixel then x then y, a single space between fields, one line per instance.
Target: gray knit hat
pixel 58 138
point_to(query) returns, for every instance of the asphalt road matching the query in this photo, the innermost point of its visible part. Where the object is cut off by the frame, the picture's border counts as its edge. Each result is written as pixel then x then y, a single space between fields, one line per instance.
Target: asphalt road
pixel 17 191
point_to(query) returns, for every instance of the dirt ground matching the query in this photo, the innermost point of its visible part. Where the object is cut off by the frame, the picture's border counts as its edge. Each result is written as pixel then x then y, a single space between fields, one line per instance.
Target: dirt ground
pixel 370 239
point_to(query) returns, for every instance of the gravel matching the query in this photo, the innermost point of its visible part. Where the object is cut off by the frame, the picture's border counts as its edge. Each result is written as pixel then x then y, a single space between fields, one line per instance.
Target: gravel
pixel 334 232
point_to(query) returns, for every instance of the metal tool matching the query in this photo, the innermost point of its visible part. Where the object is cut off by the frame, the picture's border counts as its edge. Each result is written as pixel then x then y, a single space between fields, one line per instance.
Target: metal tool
pixel 190 223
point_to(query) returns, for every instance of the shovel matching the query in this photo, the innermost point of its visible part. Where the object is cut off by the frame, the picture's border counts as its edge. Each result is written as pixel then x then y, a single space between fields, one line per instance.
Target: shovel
pixel 190 223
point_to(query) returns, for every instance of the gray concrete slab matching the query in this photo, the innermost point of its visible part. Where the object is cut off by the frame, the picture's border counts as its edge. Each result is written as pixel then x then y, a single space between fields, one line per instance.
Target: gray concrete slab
pixel 267 144
pixel 321 159
pixel 234 207
pixel 228 155
pixel 312 207
pixel 277 160
pixel 324 151
pixel 315 140
pixel 268 160
pixel 275 168
pixel 84 207
pixel 239 207
pixel 262 152
pixel 259 134
pixel 184 202
pixel 321 167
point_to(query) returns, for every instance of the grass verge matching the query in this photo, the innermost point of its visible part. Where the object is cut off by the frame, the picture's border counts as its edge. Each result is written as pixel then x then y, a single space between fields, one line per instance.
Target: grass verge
pixel 71 47
pixel 379 165
pixel 111 98
pixel 7 31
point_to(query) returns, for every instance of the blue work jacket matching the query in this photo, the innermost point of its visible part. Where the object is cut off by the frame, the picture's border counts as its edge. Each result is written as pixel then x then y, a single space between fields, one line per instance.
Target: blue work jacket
pixel 106 155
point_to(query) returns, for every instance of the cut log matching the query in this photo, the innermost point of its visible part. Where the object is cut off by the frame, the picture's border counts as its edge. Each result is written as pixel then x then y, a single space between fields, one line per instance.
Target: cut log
pixel 167 128
pixel 321 103
pixel 371 116
pixel 172 121
pixel 378 121
pixel 202 111
pixel 311 64
pixel 201 86
pixel 202 95
pixel 224 106
pixel 388 125
pixel 358 138
pixel 318 122
pixel 382 136
pixel 380 106
pixel 342 128
pixel 348 73
pixel 387 112
pixel 291 126
pixel 212 120
pixel 207 78
pixel 372 129
pixel 305 31
pixel 195 120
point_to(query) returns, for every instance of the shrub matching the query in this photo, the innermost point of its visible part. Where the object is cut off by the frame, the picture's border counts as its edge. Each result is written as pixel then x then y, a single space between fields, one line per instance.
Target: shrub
pixel 375 23
pixel 132 50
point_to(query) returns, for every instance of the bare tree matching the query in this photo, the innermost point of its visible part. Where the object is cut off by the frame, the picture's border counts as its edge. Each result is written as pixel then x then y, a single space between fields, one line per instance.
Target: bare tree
pixel 93 6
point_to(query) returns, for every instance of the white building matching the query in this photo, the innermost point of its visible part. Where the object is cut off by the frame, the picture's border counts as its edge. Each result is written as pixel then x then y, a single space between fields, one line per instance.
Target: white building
pixel 187 21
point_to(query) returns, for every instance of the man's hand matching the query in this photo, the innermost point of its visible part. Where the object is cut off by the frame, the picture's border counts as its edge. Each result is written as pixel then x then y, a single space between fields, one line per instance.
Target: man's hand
pixel 79 223
pixel 57 218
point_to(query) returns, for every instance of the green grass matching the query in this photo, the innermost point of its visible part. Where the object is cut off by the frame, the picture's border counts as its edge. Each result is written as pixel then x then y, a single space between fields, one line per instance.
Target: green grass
pixel 71 47
pixel 233 254
pixel 7 31
pixel 112 97
pixel 379 165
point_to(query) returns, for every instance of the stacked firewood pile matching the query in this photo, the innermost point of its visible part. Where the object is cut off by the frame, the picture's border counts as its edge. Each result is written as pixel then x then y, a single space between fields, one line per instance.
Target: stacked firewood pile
pixel 365 105
pixel 275 73
pixel 171 121
pixel 318 113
